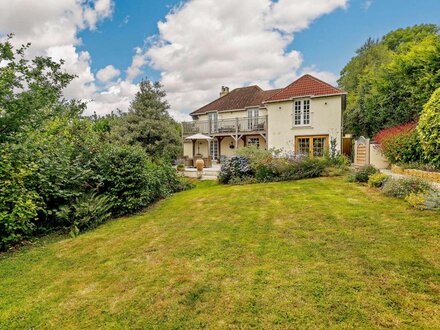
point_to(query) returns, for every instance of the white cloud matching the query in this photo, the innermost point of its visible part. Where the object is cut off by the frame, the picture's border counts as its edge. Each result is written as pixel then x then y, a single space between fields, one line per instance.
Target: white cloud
pixel 52 27
pixel 204 44
pixel 107 74
pixel 138 61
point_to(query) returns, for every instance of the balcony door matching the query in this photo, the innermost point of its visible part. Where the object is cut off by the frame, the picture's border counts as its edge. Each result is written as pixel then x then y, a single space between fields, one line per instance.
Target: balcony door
pixel 253 119
pixel 213 122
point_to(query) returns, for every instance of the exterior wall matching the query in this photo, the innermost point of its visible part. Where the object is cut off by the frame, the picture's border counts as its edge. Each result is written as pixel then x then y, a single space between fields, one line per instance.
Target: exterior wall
pixel 188 149
pixel 326 119
pixel 377 159
pixel 225 150
pixel 226 142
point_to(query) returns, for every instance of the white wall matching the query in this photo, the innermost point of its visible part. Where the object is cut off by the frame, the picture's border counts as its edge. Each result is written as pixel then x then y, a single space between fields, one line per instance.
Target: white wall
pixel 326 119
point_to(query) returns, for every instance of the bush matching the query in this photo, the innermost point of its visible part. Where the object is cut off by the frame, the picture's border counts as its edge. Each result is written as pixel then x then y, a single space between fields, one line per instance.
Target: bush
pixel 254 155
pixel 362 174
pixel 401 188
pixel 235 168
pixel 272 169
pixel 305 168
pixel 377 180
pixel 424 201
pixel 87 211
pixel 429 129
pixel 400 143
pixel 132 180
pixel 19 205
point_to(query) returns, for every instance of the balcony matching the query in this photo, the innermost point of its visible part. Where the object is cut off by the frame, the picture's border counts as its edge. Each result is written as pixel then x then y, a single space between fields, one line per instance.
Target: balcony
pixel 244 125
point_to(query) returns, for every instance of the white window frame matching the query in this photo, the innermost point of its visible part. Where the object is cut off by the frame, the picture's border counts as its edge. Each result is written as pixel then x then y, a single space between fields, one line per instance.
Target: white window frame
pixel 302 115
pixel 213 121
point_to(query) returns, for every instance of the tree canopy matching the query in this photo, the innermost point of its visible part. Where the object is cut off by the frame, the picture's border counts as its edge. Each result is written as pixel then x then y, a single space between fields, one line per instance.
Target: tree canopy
pixel 389 80
pixel 149 124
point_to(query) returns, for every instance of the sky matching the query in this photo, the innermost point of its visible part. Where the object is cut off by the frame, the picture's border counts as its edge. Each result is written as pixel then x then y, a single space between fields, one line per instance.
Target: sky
pixel 194 47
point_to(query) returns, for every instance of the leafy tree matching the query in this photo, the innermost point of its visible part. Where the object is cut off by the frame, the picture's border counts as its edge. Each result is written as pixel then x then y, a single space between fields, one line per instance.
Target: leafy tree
pixel 30 91
pixel 390 80
pixel 149 124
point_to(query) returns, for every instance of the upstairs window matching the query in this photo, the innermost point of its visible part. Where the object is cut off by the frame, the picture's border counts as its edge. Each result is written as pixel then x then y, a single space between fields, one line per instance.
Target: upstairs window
pixel 297 113
pixel 301 113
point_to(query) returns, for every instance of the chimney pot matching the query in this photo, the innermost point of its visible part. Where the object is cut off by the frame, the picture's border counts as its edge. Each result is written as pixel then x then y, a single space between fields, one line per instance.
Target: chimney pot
pixel 224 90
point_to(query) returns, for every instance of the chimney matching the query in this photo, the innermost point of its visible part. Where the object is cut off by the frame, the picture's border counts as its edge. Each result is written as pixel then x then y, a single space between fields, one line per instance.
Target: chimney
pixel 224 90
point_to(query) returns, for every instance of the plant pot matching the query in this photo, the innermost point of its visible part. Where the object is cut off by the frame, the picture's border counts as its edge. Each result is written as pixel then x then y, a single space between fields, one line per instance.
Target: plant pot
pixel 200 164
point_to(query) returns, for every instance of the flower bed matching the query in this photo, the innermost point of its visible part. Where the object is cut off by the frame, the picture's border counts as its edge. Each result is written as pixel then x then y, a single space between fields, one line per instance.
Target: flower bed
pixel 429 176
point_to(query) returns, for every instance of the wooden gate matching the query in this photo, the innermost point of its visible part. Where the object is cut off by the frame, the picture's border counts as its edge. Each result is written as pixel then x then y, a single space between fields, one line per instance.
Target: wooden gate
pixel 347 146
pixel 362 149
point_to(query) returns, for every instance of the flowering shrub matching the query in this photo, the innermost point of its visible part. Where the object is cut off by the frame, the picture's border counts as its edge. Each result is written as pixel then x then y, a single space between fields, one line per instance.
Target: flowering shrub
pixel 362 174
pixel 237 167
pixel 424 201
pixel 402 188
pixel 400 143
pixel 377 180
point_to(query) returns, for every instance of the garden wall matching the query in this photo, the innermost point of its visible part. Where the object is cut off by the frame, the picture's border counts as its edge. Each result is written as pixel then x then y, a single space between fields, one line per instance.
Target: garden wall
pixel 368 153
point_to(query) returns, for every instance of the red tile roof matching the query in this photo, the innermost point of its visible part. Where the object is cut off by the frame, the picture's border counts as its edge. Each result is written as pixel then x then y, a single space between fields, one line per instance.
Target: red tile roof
pixel 238 98
pixel 244 97
pixel 306 85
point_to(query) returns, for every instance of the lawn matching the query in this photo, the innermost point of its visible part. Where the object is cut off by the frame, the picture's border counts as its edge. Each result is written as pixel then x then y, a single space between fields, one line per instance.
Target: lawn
pixel 314 253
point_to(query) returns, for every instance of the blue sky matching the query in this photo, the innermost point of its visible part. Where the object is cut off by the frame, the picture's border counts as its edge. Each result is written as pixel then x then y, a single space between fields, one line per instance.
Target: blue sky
pixel 328 43
pixel 195 46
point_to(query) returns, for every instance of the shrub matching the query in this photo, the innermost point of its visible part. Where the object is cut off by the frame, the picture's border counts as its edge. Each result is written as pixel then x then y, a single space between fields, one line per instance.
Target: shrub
pixel 429 129
pixel 339 161
pixel 132 180
pixel 400 143
pixel 272 169
pixel 19 205
pixel 87 211
pixel 377 180
pixel 424 201
pixel 254 155
pixel 362 174
pixel 236 167
pixel 402 188
pixel 305 168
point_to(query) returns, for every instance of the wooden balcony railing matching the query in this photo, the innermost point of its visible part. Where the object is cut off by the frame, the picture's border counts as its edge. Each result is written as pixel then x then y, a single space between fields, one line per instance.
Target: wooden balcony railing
pixel 226 126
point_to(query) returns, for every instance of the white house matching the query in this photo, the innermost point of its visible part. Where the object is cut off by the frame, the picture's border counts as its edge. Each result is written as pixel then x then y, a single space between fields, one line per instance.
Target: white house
pixel 301 118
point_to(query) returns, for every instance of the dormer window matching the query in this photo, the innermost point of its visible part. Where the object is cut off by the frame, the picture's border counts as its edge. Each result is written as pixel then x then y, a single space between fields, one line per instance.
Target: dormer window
pixel 301 113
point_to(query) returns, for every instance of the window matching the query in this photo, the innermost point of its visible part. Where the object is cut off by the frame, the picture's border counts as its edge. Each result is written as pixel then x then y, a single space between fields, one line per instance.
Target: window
pixel 253 118
pixel 297 113
pixel 301 114
pixel 213 122
pixel 312 146
pixel 306 112
pixel 253 142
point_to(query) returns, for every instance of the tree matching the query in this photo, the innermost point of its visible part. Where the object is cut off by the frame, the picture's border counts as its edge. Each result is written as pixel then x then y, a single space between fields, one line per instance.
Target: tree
pixel 30 91
pixel 149 124
pixel 390 80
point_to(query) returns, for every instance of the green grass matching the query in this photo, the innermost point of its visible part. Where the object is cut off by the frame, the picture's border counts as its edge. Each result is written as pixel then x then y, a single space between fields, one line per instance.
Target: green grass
pixel 314 253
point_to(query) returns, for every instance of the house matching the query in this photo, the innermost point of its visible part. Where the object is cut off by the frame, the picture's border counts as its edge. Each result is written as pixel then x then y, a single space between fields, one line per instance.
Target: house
pixel 301 118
